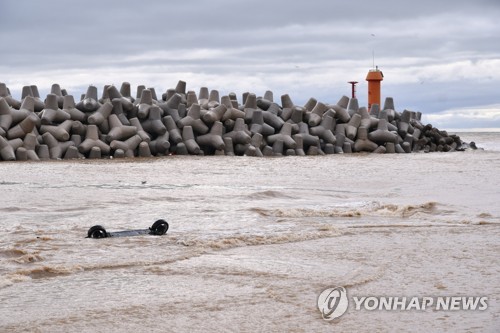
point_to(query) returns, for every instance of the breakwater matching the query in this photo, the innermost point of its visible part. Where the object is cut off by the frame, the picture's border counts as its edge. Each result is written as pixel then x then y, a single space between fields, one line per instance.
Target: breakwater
pixel 185 122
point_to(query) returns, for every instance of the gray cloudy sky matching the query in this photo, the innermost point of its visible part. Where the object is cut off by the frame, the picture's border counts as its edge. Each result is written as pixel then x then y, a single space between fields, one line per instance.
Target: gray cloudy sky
pixel 438 57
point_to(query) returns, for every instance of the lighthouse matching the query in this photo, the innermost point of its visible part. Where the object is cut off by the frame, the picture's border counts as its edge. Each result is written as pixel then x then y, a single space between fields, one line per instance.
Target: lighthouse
pixel 374 78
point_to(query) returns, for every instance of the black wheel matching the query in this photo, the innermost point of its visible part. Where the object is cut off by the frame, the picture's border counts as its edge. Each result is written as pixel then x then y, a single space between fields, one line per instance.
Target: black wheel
pixel 159 228
pixel 97 231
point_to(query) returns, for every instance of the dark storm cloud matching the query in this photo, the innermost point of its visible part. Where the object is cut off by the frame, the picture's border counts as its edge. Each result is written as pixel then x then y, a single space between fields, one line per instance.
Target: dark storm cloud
pixel 303 48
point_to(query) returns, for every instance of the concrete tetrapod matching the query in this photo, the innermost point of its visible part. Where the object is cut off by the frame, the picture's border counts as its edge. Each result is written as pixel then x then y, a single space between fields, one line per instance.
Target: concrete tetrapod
pixel 56 90
pixel 118 131
pixel 16 143
pixel 351 128
pixel 126 91
pixel 113 93
pixel 339 144
pixel 329 149
pixel 101 115
pixel 5 94
pixel 56 148
pixel 61 132
pixel 254 148
pixel 146 102
pixel 51 113
pixel 316 114
pixel 21 154
pixel 77 128
pixel 6 151
pixel 404 123
pixel 39 104
pixel 23 128
pixel 321 128
pixel 118 111
pixel 278 147
pixel 92 140
pixel 95 153
pixel 231 112
pixel 353 106
pixel 310 104
pixel 140 131
pixel 72 153
pixel 286 107
pixel 362 143
pixel 215 114
pixel 29 144
pixel 203 96
pixel 43 152
pixel 240 134
pixel 90 102
pixel 213 139
pixel 27 108
pixel 299 149
pixel 128 146
pixel 154 124
pixel 70 108
pixel 173 107
pixel 213 100
pixel 5 116
pixel 193 119
pixel 189 141
pixel 389 108
pixel 258 126
pixel 173 131
pixel 228 146
pixel 271 116
pixel 26 92
pixel 297 115
pixel 284 135
pixel 341 109
pixel 382 135
pixel 307 139
pixel 191 98
pixel 375 110
pixel 144 150
pixel 249 107
pixel 324 130
pixel 160 145
pixel 367 120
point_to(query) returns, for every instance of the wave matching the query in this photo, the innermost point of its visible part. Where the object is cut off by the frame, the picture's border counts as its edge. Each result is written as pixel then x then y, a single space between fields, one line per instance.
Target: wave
pixel 408 210
pixel 49 271
pixel 28 258
pixel 6 281
pixel 52 271
pixel 254 240
pixel 197 246
pixel 161 199
pixel 20 256
pixel 368 209
pixel 10 183
pixel 11 209
pixel 12 252
pixel 267 194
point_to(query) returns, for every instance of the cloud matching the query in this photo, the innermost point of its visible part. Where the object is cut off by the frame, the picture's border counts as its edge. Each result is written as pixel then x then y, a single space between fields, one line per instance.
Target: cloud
pixel 485 117
pixel 435 55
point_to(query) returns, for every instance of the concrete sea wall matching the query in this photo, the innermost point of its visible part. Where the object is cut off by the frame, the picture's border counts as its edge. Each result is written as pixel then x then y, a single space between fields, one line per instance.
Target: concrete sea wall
pixel 185 122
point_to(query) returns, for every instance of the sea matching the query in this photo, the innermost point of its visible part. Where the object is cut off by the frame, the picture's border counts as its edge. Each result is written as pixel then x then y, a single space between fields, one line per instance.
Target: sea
pixel 252 242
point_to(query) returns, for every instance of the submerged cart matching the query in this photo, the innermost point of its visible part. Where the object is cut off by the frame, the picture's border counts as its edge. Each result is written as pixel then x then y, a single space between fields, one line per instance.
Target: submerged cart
pixel 160 227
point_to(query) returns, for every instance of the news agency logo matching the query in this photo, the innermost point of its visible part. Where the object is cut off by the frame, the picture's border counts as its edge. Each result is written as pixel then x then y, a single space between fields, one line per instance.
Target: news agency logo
pixel 333 303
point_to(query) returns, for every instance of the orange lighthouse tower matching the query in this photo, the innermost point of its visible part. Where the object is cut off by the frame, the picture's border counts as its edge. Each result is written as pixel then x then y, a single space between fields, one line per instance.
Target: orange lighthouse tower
pixel 374 77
